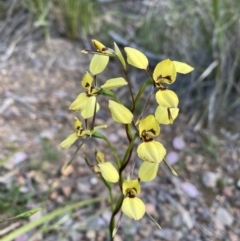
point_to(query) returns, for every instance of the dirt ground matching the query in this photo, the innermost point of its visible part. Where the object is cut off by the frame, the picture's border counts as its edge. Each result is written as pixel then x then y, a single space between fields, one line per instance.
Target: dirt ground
pixel 38 83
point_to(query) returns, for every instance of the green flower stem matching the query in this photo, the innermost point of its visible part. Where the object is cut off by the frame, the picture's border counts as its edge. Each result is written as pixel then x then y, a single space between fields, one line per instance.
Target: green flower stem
pixel 145 106
pixel 101 136
pixel 141 90
pixel 128 132
pixel 94 116
pixel 130 90
pixel 128 153
pixel 114 213
pixel 74 155
pixel 150 75
pixel 108 185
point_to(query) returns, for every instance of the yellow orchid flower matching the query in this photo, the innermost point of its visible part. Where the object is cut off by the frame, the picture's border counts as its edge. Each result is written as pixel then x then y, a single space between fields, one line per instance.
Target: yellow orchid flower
pixel 148 171
pixel 136 58
pixel 120 113
pixel 79 132
pixel 152 151
pixel 108 171
pixel 148 128
pixel 167 110
pixel 166 71
pixel 132 206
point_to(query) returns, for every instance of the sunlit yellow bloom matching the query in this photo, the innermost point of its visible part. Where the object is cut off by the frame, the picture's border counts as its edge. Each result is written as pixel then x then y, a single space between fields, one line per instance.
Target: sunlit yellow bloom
pixel 136 58
pixel 108 171
pixel 102 48
pixel 167 98
pixel 149 128
pixel 151 151
pixel 98 64
pixel 114 83
pixel 85 102
pixel 167 110
pixel 120 113
pixel 166 71
pixel 132 206
pixel 165 115
pixel 148 171
pixel 79 132
pixel 182 68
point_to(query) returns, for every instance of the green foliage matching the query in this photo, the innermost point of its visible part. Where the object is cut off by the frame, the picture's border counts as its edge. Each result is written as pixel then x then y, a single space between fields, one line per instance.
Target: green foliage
pixel 76 16
pixel 49 151
pixel 203 32
pixel 13 200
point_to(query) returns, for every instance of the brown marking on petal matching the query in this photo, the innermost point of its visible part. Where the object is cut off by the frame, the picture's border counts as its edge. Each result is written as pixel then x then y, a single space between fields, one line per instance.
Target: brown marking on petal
pixel 162 88
pixel 153 131
pixel 169 115
pixel 168 77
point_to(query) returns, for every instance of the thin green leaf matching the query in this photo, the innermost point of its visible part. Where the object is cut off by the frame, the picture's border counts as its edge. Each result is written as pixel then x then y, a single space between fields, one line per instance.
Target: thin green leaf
pixel 170 168
pixel 48 217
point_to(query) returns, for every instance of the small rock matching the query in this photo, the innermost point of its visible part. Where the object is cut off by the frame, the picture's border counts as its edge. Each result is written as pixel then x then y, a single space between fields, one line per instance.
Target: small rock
pixel 67 190
pixel 66 171
pixel 172 157
pixel 91 234
pixel 113 138
pixel 6 104
pixel 233 236
pixel 94 180
pixel 19 157
pixel 151 209
pixel 117 238
pixel 223 216
pixel 209 179
pixel 238 184
pixel 47 134
pixel 227 191
pixel 186 217
pixel 178 143
pixel 168 234
pixel 190 189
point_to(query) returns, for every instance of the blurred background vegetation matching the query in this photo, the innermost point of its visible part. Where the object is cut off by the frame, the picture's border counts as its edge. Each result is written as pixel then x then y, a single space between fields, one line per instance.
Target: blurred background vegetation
pixel 202 33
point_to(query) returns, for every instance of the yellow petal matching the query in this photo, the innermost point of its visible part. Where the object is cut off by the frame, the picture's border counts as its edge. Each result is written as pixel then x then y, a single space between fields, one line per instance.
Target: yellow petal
pixel 136 58
pixel 98 45
pixel 120 113
pixel 120 57
pixel 77 124
pixel 131 184
pixel 109 172
pixel 99 157
pixel 167 98
pixel 165 72
pixel 133 208
pixel 152 151
pixel 88 112
pixel 99 127
pixel 114 83
pixel 79 103
pixel 148 171
pixel 98 63
pixel 87 80
pixel 165 115
pixel 102 48
pixel 69 140
pixel 182 68
pixel 149 125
